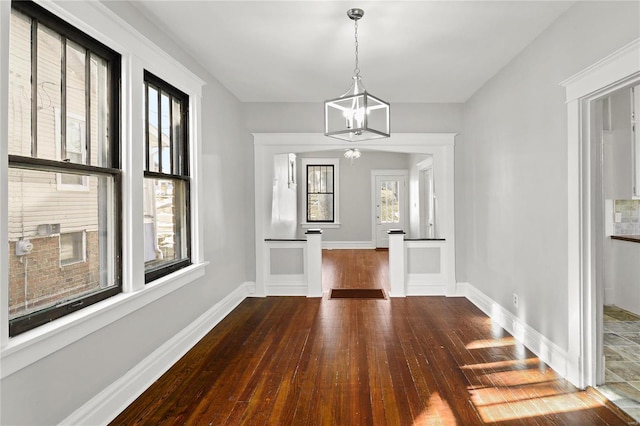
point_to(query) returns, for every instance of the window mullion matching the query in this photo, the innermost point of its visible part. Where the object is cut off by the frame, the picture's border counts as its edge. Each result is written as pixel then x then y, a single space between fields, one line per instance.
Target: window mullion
pixel 34 88
pixel 63 99
pixel 159 129
pixel 171 166
pixel 146 127
pixel 87 91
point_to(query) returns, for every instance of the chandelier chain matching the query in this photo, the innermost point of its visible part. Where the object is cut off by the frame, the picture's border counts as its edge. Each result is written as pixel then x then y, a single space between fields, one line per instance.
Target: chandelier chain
pixel 356 70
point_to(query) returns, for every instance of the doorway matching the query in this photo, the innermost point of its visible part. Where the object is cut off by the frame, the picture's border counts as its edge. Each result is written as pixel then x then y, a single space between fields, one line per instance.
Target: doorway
pixel 389 203
pixel 585 298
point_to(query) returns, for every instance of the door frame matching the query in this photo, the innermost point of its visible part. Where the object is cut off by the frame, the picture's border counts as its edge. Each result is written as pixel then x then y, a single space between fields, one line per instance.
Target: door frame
pixel 403 207
pixel 584 297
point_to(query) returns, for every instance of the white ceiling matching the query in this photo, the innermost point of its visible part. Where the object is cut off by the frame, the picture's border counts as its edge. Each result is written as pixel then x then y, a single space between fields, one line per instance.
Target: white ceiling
pixel 303 51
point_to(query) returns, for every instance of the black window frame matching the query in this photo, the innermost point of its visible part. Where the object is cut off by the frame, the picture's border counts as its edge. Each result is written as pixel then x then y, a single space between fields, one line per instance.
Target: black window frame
pixel 184 176
pixel 40 15
pixel 332 193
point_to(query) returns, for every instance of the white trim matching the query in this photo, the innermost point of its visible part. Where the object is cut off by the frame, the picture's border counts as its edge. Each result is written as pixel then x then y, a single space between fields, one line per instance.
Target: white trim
pixel 348 245
pixel 104 407
pixel 583 297
pixel 294 288
pixel 31 346
pixel 545 349
pixel 617 66
pixel 424 286
pixel 320 225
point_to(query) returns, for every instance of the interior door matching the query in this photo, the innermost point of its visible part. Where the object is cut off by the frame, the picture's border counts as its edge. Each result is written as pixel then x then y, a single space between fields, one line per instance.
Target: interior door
pixel 391 206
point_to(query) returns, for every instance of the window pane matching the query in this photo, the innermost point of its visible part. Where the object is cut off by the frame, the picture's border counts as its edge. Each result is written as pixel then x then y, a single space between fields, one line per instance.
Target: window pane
pixel 320 208
pixel 329 179
pixel 165 222
pixel 389 202
pixel 99 113
pixel 49 87
pixel 152 104
pixel 176 113
pixel 40 220
pixel 166 133
pixel 20 85
pixel 76 104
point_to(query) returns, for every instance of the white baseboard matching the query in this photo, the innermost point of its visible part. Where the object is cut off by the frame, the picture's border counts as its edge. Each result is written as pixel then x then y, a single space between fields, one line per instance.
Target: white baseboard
pixel 106 405
pixel 424 289
pixel 287 289
pixel 546 350
pixel 348 245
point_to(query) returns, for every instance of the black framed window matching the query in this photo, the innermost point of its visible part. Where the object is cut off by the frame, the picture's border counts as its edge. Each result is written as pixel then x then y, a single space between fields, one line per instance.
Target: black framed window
pixel 320 193
pixel 166 179
pixel 63 134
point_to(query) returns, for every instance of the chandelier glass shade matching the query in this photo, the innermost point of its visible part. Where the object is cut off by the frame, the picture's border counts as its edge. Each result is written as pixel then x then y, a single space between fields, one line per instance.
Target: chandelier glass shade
pixel 352 154
pixel 357 115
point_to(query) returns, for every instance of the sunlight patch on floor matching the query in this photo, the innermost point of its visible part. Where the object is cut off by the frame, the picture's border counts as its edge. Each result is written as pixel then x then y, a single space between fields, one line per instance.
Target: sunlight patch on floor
pixel 534 406
pixel 514 363
pixel 438 412
pixel 491 343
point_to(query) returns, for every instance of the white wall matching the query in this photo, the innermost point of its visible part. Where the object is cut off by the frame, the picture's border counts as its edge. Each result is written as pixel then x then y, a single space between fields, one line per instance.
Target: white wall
pixel 512 166
pixel 50 389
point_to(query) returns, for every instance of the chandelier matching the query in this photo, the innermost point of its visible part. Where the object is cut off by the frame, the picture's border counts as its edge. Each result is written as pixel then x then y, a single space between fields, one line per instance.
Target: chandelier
pixel 357 115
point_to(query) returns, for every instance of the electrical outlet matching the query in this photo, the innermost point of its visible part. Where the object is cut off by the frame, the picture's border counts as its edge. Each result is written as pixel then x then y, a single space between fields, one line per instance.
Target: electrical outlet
pixel 515 300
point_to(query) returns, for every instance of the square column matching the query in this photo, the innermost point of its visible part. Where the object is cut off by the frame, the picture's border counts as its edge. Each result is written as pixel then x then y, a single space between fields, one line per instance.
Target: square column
pixel 397 262
pixel 314 262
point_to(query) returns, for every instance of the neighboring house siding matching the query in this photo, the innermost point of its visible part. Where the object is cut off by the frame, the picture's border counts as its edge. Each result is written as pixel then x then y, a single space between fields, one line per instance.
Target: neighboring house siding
pixel 37 200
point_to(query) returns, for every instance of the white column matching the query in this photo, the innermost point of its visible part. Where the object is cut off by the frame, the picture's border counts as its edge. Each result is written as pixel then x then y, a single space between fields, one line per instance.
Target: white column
pixel 314 263
pixel 397 263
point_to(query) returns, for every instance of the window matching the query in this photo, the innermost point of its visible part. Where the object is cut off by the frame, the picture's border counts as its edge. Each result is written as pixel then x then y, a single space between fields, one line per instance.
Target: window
pixel 72 248
pixel 167 232
pixel 63 130
pixel 320 199
pixel 320 206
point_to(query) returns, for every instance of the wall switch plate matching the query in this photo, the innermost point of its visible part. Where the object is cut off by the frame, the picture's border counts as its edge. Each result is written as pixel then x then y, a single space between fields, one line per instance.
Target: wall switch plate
pixel 515 300
pixel 618 217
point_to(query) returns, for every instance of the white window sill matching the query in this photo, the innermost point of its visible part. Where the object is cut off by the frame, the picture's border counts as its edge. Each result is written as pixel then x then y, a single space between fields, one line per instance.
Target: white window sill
pixel 42 341
pixel 321 225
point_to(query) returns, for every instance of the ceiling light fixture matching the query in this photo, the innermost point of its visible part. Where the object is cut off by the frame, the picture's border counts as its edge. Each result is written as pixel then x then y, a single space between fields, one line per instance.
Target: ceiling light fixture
pixel 352 154
pixel 357 115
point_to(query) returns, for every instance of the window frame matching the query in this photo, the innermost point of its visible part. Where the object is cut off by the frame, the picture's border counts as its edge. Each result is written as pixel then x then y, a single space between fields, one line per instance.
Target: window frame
pixel 184 176
pixel 307 161
pixel 328 192
pixel 68 31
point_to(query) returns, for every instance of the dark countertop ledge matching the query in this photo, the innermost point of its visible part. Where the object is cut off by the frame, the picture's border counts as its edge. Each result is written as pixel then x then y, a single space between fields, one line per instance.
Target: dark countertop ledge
pixel 630 238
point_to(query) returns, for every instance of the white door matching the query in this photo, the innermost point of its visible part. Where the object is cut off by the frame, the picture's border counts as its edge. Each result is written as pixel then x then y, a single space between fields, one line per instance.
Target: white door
pixel 390 206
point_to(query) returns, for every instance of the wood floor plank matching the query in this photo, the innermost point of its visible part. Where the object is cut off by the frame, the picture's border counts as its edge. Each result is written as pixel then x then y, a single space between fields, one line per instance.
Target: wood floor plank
pixel 405 361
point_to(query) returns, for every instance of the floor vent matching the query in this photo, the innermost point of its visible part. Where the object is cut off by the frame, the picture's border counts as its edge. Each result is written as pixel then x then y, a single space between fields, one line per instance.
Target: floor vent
pixel 357 293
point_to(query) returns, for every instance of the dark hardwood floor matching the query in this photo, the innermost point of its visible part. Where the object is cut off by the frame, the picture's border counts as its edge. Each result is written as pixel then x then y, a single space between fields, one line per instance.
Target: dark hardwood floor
pixel 355 269
pixel 405 361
